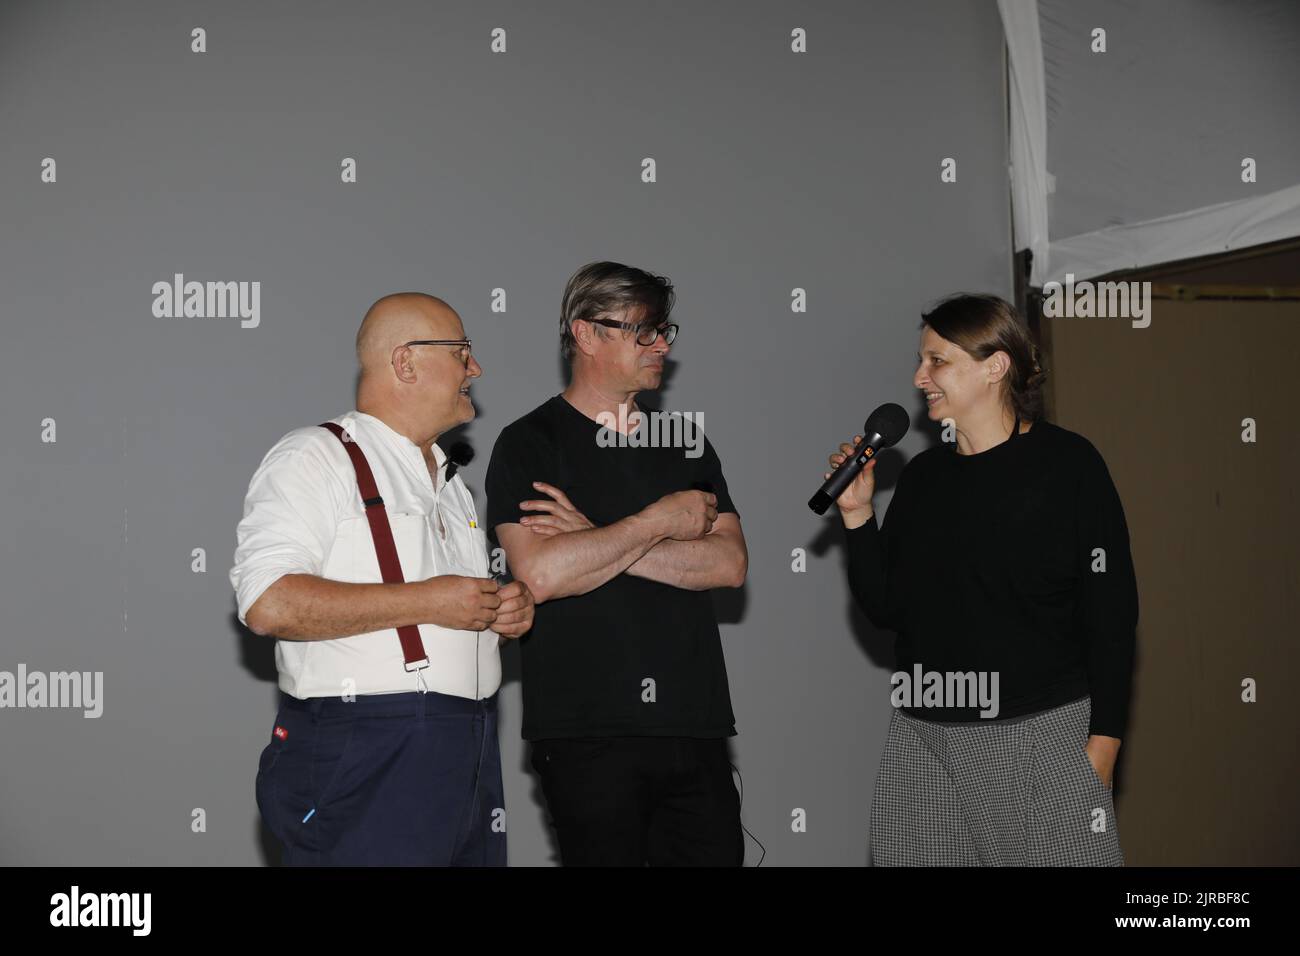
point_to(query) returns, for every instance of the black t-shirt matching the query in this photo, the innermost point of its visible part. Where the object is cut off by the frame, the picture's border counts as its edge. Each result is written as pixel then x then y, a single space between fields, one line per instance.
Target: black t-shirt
pixel 985 563
pixel 587 657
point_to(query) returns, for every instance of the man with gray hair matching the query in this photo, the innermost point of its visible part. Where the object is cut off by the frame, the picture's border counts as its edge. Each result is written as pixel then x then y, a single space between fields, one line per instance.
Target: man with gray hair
pixel 624 684
pixel 384 749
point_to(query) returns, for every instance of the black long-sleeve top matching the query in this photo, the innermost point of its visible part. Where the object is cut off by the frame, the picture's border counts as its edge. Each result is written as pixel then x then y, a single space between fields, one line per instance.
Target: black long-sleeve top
pixel 990 562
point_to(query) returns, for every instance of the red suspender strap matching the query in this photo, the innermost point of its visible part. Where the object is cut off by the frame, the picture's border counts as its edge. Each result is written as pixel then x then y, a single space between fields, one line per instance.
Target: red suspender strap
pixel 382 533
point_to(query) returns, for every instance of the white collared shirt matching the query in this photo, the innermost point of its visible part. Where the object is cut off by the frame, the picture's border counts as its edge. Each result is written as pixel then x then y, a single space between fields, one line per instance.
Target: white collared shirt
pixel 303 515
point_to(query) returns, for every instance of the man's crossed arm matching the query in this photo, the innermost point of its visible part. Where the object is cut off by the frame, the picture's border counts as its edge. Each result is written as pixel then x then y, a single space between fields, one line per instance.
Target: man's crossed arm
pixel 679 540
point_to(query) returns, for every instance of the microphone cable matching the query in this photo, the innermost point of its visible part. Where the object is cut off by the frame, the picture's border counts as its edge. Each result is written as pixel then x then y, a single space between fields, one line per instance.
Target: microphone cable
pixel 763 854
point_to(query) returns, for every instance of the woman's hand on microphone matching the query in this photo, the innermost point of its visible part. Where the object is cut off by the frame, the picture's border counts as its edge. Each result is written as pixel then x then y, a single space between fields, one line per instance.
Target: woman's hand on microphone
pixel 855 502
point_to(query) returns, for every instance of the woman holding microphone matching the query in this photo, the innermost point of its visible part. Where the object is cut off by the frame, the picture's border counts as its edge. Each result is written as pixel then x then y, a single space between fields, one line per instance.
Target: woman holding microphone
pixel 1003 563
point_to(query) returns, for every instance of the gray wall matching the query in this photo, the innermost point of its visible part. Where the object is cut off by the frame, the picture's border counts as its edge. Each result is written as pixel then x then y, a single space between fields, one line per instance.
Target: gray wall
pixel 476 171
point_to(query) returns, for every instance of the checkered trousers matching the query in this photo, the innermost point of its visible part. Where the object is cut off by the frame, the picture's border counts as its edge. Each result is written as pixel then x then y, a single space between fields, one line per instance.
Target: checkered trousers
pixel 1018 792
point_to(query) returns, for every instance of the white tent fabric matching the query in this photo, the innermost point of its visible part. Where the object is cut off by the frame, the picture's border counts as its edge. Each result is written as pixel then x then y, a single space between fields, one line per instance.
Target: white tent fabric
pixel 1199 232
pixel 1029 184
pixel 1145 141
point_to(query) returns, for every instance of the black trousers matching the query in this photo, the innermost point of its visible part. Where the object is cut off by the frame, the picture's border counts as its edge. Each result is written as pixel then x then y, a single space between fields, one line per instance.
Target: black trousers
pixel 637 801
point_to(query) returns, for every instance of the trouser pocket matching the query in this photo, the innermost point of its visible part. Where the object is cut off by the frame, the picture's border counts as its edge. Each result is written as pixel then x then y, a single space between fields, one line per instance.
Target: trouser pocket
pixel 297 774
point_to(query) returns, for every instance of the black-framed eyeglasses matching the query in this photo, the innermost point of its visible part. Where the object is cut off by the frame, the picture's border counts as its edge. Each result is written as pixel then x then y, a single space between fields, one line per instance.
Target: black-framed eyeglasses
pixel 466 346
pixel 645 336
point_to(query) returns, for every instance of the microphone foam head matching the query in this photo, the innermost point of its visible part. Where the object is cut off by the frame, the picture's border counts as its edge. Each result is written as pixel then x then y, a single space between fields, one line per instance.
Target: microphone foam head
pixel 890 421
pixel 461 453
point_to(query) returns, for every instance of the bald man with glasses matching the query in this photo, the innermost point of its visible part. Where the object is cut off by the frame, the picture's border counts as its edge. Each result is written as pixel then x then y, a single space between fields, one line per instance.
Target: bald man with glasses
pixel 625 696
pixel 361 553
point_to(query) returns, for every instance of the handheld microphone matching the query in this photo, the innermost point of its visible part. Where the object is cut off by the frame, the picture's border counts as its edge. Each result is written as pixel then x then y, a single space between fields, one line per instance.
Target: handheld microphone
pixel 459 455
pixel 886 426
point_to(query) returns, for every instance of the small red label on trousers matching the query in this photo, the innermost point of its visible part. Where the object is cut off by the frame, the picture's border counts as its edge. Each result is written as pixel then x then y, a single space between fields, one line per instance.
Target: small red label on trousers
pixel 281 733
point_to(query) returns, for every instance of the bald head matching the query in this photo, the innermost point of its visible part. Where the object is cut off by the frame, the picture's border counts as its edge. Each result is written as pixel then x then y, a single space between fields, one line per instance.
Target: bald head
pixel 421 391
pixel 398 318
